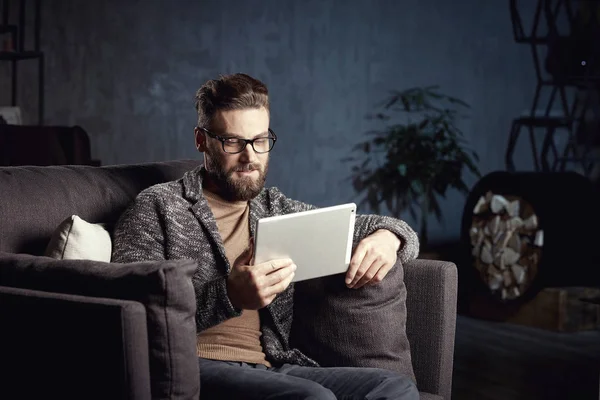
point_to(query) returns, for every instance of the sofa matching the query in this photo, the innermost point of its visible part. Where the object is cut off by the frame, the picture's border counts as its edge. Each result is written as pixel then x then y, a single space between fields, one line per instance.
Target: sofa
pixel 89 329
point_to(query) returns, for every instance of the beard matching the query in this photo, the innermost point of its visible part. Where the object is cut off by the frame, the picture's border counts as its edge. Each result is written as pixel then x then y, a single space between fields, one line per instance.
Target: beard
pixel 233 188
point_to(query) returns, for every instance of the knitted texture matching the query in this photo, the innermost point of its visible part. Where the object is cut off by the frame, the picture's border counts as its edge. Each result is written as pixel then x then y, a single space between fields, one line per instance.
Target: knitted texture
pixel 173 220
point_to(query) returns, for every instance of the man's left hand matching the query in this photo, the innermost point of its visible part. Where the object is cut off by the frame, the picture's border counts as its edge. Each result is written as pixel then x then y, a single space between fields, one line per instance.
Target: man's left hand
pixel 373 258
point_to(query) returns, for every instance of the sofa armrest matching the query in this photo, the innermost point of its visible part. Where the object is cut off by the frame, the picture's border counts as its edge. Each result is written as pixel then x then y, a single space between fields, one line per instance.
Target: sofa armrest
pixel 72 347
pixel 431 322
pixel 164 288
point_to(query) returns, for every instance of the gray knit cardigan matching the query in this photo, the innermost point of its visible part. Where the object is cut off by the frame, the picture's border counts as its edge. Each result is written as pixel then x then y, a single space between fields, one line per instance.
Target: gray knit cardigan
pixel 173 221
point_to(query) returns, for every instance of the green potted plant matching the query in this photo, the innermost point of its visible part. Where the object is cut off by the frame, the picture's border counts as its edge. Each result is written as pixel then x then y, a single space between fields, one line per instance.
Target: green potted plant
pixel 411 162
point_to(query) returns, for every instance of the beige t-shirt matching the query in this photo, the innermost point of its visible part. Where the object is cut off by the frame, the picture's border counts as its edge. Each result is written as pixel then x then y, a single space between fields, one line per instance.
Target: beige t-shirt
pixel 236 339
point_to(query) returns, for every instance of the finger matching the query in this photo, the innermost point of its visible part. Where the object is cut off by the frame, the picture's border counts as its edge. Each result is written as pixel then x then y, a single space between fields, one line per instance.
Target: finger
pixel 381 274
pixel 272 266
pixel 275 277
pixel 374 275
pixel 357 258
pixel 365 265
pixel 278 287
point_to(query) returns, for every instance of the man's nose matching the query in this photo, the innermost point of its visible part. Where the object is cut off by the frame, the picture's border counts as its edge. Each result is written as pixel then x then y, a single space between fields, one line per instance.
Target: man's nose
pixel 248 154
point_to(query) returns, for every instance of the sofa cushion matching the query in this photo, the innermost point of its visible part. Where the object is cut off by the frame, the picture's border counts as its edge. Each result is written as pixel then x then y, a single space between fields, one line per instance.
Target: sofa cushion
pixel 366 327
pixel 165 288
pixel 76 239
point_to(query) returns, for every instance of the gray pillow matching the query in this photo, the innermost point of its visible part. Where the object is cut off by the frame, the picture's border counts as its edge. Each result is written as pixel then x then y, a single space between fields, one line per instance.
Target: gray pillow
pixel 165 288
pixel 341 327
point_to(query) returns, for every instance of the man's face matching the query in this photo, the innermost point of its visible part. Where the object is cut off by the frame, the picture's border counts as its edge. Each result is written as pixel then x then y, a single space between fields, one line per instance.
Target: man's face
pixel 241 176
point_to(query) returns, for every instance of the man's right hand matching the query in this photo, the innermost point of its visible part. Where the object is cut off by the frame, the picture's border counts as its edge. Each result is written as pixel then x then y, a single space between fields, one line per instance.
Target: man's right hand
pixel 252 287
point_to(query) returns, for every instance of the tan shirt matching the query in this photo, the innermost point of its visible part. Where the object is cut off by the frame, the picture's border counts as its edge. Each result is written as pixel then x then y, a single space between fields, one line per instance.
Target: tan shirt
pixel 237 339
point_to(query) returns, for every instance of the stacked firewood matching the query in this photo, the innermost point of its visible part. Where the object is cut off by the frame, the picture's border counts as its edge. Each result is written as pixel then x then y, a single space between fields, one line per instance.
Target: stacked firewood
pixel 507 244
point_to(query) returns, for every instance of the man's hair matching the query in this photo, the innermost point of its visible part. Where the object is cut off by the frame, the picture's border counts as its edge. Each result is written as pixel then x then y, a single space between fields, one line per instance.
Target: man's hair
pixel 229 92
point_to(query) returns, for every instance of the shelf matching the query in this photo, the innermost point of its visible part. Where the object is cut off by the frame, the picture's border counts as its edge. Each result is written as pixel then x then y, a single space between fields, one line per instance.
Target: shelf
pixel 8 29
pixel 16 56
pixel 541 40
pixel 13 35
pixel 541 122
pixel 533 40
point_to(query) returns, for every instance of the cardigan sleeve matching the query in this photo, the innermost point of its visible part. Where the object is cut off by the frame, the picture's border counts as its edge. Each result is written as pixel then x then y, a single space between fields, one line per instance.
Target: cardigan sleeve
pixel 138 235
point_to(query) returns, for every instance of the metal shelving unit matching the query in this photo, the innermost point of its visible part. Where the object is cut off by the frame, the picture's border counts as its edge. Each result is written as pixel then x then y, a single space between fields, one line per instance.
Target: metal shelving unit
pixel 17 51
pixel 570 68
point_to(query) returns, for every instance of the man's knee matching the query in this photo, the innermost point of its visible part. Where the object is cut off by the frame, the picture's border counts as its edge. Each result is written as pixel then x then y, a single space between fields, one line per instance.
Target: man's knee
pixel 308 391
pixel 394 386
pixel 312 392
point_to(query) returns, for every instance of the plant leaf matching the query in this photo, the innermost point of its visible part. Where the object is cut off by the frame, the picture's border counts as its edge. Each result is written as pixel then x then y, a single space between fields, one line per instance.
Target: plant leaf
pixel 423 155
pixel 402 169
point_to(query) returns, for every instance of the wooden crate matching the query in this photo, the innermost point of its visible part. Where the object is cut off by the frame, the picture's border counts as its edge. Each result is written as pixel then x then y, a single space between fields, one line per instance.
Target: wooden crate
pixel 554 309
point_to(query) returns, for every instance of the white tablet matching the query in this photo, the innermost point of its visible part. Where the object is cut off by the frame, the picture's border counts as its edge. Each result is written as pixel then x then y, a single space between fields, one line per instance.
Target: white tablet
pixel 318 241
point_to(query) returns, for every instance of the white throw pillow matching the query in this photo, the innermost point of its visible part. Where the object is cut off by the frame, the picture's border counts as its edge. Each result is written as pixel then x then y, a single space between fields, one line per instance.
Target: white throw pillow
pixel 76 239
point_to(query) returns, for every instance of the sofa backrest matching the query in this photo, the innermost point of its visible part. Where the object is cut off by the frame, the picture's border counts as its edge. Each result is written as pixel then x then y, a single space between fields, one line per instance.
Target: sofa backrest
pixel 34 200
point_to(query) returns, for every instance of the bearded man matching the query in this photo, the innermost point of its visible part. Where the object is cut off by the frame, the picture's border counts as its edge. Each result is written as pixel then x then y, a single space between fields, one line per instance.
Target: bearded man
pixel 244 311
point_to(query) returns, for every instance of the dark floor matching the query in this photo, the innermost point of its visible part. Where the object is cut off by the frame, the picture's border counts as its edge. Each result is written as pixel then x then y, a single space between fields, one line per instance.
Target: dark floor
pixel 500 361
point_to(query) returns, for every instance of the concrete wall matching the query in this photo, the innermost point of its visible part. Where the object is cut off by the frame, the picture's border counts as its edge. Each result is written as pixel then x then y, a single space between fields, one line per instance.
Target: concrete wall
pixel 127 70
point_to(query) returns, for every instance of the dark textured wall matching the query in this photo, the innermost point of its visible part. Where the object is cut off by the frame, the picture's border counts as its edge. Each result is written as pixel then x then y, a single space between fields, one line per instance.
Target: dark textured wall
pixel 127 71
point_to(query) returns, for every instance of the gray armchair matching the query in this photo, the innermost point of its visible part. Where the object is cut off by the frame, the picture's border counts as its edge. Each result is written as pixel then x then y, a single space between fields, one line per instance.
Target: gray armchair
pixel 431 323
pixel 109 340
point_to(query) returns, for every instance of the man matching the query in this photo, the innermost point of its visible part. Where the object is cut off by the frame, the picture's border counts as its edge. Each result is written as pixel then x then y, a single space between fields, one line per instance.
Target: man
pixel 244 311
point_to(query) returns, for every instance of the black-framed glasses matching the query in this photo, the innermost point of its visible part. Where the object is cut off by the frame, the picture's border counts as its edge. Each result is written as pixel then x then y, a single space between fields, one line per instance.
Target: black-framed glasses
pixel 234 145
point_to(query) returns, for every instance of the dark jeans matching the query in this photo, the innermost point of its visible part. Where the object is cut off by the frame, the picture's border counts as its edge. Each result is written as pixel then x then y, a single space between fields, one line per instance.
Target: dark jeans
pixel 236 380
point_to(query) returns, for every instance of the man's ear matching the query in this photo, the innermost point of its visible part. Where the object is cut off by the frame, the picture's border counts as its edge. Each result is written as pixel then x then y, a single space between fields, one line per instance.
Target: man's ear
pixel 200 139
